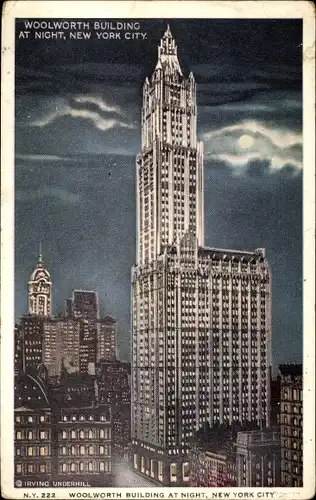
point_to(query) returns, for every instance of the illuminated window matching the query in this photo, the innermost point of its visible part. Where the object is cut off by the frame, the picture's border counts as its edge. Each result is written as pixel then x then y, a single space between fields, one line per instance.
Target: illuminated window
pixel 173 472
pixel 43 451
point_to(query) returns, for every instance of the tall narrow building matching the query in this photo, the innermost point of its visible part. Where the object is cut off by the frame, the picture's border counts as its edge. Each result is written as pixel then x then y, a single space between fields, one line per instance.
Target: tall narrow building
pixel 200 316
pixel 40 290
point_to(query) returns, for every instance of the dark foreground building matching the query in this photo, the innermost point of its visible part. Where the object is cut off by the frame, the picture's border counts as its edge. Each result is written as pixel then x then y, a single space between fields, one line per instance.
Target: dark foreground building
pixel 291 425
pixel 61 440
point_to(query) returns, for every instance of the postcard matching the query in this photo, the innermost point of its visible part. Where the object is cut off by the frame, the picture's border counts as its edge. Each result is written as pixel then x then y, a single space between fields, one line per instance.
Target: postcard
pixel 158 250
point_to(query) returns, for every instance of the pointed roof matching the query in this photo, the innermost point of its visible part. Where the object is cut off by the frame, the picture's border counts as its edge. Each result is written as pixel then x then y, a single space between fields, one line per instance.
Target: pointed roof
pixel 40 269
pixel 167 33
pixel 167 54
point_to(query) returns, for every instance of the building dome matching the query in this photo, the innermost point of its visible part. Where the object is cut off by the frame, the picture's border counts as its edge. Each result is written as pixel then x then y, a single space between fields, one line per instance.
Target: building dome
pixel 40 290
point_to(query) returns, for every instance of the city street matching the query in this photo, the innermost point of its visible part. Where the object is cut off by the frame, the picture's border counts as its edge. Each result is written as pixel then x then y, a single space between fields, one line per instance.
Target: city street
pixel 126 477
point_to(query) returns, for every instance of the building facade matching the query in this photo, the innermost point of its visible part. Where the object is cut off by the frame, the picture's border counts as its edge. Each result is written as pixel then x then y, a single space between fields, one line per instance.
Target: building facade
pixel 201 317
pixel 291 425
pixel 112 386
pixel 18 349
pixel 107 339
pixel 212 468
pixel 84 307
pixel 61 346
pixel 258 458
pixel 84 445
pixel 32 334
pixel 33 450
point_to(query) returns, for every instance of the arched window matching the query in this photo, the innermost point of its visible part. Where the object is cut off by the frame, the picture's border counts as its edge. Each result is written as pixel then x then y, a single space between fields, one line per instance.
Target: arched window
pixel 101 450
pixel 73 450
pixel 64 435
pixel 81 434
pixel 91 450
pixel 81 450
pixel 90 467
pixel 73 434
pixel 73 467
pixel 81 466
pixel 101 433
pixel 101 466
pixel 90 434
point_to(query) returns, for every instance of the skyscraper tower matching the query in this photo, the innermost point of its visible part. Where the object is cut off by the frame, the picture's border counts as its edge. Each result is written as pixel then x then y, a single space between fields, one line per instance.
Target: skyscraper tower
pixel 170 166
pixel 40 289
pixel 201 317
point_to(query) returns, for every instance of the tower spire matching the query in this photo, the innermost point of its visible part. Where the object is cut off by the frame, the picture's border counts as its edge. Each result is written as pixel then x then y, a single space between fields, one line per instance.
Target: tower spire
pixel 167 54
pixel 168 32
pixel 40 255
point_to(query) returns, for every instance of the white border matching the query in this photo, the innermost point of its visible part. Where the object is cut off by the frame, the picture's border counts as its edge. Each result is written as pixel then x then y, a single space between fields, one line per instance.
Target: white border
pixel 155 9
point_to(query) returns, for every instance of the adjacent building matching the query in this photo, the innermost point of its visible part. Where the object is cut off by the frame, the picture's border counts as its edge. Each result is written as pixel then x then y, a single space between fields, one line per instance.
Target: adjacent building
pixel 275 403
pixel 40 290
pixel 18 349
pixel 32 431
pixel 258 458
pixel 107 339
pixel 291 425
pixel 32 333
pixel 61 346
pixel 84 447
pixel 201 317
pixel 215 467
pixel 112 386
pixel 84 304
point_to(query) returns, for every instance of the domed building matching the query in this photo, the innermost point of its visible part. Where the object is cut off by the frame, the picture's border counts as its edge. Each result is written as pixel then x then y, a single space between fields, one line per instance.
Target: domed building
pixel 40 290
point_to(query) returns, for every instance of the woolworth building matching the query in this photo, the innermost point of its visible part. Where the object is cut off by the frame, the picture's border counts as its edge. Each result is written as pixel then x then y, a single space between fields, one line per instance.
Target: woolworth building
pixel 201 317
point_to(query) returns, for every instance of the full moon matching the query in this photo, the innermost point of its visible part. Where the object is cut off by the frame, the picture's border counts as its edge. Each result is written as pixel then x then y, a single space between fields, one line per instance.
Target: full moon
pixel 245 141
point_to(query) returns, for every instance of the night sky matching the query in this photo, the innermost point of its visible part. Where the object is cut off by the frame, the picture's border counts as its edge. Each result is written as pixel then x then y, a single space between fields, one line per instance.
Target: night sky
pixel 78 130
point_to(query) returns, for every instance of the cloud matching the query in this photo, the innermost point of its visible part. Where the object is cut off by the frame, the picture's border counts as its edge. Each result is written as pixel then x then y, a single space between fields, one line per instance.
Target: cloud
pixel 64 196
pixel 279 138
pixel 243 161
pixel 39 157
pixel 103 106
pixel 277 147
pixel 100 122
